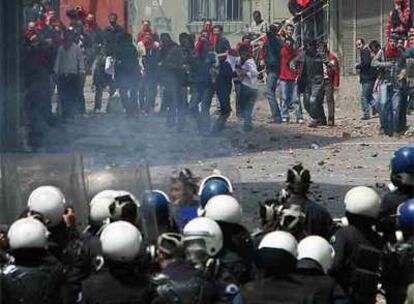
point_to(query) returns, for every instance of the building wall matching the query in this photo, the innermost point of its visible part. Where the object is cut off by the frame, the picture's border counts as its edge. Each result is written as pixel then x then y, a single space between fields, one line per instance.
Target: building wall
pixel 352 19
pixel 172 16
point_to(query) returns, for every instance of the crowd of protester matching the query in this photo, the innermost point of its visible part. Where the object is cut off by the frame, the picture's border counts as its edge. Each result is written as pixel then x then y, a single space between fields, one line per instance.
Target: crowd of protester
pixel 191 246
pixel 186 75
pixel 386 72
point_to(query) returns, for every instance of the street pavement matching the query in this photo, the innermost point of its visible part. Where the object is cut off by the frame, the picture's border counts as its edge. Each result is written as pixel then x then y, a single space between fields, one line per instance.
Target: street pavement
pixel 351 153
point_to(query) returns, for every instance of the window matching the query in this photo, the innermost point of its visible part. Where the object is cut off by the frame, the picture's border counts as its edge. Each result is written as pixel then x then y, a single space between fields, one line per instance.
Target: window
pixel 216 10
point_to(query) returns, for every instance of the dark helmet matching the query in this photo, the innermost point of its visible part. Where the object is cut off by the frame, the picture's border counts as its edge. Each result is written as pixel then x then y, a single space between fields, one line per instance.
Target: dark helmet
pixel 298 179
pixel 402 166
pixel 158 202
pixel 405 215
pixel 214 185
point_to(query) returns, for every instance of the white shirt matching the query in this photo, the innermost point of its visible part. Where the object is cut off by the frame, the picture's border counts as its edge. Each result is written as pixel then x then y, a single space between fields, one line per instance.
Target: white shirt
pixel 69 61
pixel 260 28
pixel 250 79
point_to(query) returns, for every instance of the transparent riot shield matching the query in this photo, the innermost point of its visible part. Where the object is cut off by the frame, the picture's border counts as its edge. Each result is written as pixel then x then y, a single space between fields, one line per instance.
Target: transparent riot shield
pixel 22 173
pixel 134 179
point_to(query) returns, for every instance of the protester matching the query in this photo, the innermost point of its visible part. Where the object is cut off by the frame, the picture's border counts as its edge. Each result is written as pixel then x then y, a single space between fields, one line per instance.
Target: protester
pixel 393 95
pixel 367 77
pixel 69 69
pixel 331 79
pixel 127 74
pixel 311 83
pixel 149 54
pixel 272 49
pixel 247 73
pixel 399 19
pixel 288 78
pixel 203 76
pixel 259 25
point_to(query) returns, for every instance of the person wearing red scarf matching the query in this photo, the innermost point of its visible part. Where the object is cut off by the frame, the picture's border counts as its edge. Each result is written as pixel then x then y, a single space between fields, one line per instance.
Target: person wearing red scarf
pixel 149 55
pixel 392 87
pixel 399 19
pixel 288 85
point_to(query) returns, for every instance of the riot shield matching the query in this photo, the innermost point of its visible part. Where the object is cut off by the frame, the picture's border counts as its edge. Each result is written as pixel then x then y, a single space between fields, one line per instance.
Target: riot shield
pixel 22 173
pixel 134 179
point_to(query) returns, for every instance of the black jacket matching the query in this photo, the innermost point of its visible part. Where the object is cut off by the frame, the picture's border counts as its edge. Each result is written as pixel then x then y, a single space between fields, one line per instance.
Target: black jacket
pixel 238 251
pixel 179 282
pixel 34 277
pixel 111 36
pixel 272 54
pixel 311 72
pixel 222 45
pixel 386 219
pixel 357 258
pixel 116 283
pixel 318 220
pixel 366 72
pixel 319 287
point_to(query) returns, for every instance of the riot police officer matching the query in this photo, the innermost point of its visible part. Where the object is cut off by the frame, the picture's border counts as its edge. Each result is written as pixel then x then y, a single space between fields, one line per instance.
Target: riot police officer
pixel 358 247
pixel 276 260
pixel 35 277
pixel 402 177
pixel 293 211
pixel 83 251
pixel 178 281
pixel 156 207
pixel 203 240
pixel 315 258
pixel 214 185
pixel 398 264
pixel 50 202
pixel 118 280
pixel 238 250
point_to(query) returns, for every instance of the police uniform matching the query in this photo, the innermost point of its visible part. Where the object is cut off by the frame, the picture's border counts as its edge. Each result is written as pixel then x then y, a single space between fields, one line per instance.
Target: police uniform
pixel 398 271
pixel 357 261
pixel 318 220
pixel 237 254
pixel 116 283
pixel 275 289
pixel 318 286
pixel 180 283
pixel 35 278
pixel 389 205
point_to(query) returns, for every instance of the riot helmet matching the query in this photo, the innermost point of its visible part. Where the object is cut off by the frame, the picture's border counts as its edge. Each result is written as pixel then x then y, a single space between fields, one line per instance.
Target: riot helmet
pixel 203 239
pixel 317 249
pixel 157 202
pixel 402 167
pixel 362 201
pixel 277 253
pixel 49 201
pixel 121 241
pixel 99 206
pixel 214 185
pixel 170 244
pixel 125 207
pixel 224 208
pixel 27 233
pixel 405 216
pixel 298 180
